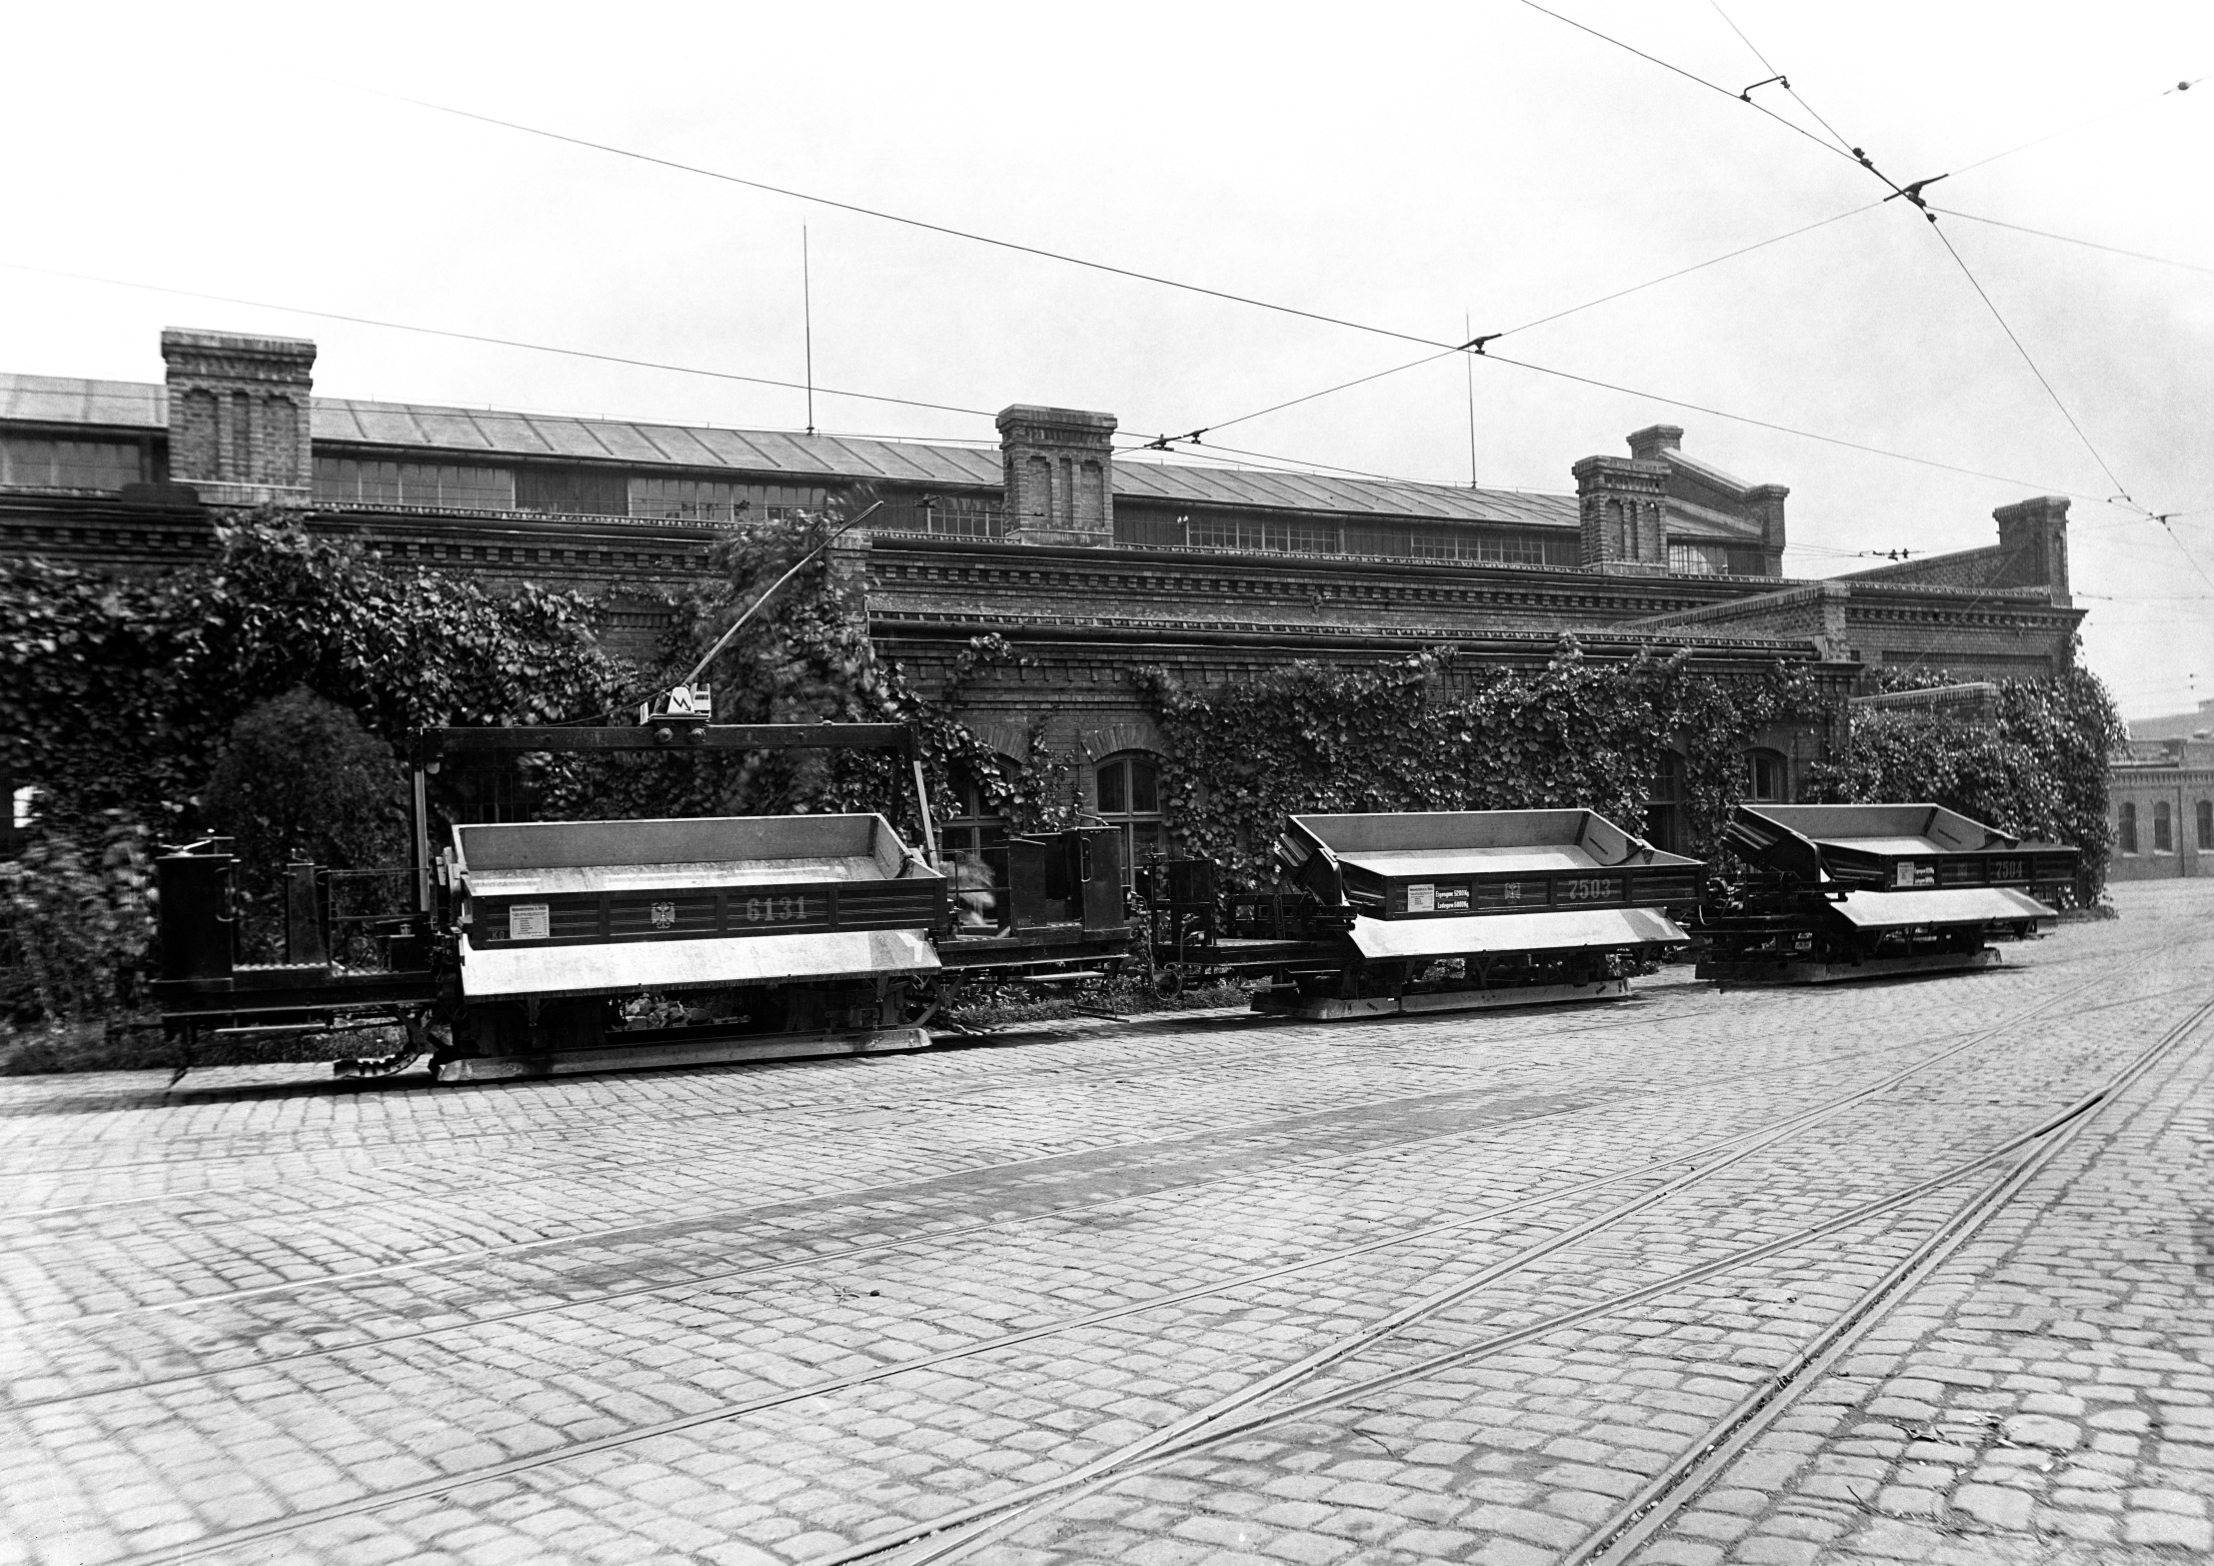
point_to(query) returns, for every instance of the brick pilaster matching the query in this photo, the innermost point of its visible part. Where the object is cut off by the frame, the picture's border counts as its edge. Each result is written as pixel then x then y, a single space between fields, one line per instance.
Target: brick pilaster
pixel 238 416
pixel 1622 502
pixel 1060 475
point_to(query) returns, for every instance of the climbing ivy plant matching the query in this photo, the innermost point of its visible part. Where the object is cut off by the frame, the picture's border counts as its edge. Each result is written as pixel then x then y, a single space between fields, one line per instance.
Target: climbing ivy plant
pixel 805 657
pixel 1424 733
pixel 119 695
pixel 2039 771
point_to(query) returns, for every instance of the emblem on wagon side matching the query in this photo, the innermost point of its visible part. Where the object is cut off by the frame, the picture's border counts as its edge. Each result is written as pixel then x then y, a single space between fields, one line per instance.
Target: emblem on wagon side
pixel 664 916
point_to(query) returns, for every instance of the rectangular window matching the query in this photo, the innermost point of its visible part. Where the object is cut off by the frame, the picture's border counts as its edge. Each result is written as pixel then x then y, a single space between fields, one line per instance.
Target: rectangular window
pixel 2206 825
pixel 1386 539
pixel 1264 535
pixel 1518 549
pixel 36 463
pixel 1704 559
pixel 1145 527
pixel 720 500
pixel 431 486
pixel 1445 541
pixel 591 492
pixel 2164 835
pixel 942 516
pixel 1698 559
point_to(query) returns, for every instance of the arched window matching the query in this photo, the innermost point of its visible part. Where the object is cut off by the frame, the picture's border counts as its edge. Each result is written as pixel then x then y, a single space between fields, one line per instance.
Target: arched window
pixel 1130 798
pixel 2128 833
pixel 1767 777
pixel 2164 830
pixel 976 853
pixel 1664 796
pixel 2206 826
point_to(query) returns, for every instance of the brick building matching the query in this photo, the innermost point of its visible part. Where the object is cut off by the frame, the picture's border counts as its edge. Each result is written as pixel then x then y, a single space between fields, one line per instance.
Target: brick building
pixel 2161 790
pixel 1089 561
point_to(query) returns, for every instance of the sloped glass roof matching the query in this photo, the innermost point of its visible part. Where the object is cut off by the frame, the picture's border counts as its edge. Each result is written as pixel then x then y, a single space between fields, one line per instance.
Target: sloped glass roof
pixel 454 432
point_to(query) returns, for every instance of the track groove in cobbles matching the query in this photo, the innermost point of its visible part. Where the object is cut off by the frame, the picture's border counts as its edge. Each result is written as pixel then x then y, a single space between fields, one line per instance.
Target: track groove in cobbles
pixel 43 1356
pixel 2050 1392
pixel 549 1164
pixel 291 1329
pixel 341 1227
pixel 1514 1452
pixel 335 1206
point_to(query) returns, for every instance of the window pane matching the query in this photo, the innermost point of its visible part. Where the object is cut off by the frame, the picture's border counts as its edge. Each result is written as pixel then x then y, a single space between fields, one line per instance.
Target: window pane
pixel 1112 798
pixel 1765 777
pixel 2206 823
pixel 1145 788
pixel 68 464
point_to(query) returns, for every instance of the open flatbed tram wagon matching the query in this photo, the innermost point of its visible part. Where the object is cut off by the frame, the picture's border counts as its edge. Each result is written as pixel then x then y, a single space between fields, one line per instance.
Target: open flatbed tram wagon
pixel 1863 891
pixel 545 948
pixel 1432 911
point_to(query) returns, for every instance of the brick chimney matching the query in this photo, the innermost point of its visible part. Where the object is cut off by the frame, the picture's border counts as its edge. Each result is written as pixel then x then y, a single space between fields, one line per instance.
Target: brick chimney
pixel 1647 444
pixel 1621 502
pixel 1766 503
pixel 238 416
pixel 1060 475
pixel 2034 533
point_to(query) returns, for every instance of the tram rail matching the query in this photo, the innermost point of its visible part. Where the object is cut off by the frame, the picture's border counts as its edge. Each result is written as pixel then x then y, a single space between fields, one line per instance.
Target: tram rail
pixel 908 1242
pixel 1734 1148
pixel 1647 1512
pixel 911 1241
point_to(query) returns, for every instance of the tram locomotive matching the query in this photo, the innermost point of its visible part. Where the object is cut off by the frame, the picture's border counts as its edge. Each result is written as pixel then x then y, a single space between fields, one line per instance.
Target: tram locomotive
pixel 547 948
pixel 1861 891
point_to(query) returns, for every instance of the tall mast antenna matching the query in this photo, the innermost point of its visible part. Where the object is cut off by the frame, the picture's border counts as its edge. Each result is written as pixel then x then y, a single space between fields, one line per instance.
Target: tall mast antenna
pixel 807 317
pixel 1468 362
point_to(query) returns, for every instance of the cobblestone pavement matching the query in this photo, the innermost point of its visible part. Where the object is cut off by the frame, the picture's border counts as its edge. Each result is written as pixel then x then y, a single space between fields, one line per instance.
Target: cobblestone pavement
pixel 1211 1290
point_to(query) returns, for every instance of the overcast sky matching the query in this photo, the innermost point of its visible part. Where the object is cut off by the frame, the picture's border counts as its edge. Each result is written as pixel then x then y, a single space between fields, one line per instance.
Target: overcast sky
pixel 1403 167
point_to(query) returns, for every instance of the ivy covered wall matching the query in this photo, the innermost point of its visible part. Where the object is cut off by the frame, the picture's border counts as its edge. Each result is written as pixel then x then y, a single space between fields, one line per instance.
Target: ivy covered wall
pixel 1423 735
pixel 117 698
pixel 120 695
pixel 2038 771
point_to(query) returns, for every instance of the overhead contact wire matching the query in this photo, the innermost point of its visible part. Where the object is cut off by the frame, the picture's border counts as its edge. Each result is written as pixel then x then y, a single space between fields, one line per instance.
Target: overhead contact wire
pixel 882 215
pixel 2070 239
pixel 2121 489
pixel 1743 97
pixel 1543 320
pixel 1148 277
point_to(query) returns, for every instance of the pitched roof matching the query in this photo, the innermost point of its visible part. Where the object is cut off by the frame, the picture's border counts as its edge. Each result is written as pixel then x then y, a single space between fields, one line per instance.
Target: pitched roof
pixel 1244 487
pixel 50 399
pixel 65 399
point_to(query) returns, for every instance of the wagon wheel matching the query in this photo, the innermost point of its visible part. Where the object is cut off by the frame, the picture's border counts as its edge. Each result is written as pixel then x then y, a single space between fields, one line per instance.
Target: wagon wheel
pixel 1168 983
pixel 419 1039
pixel 916 1003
